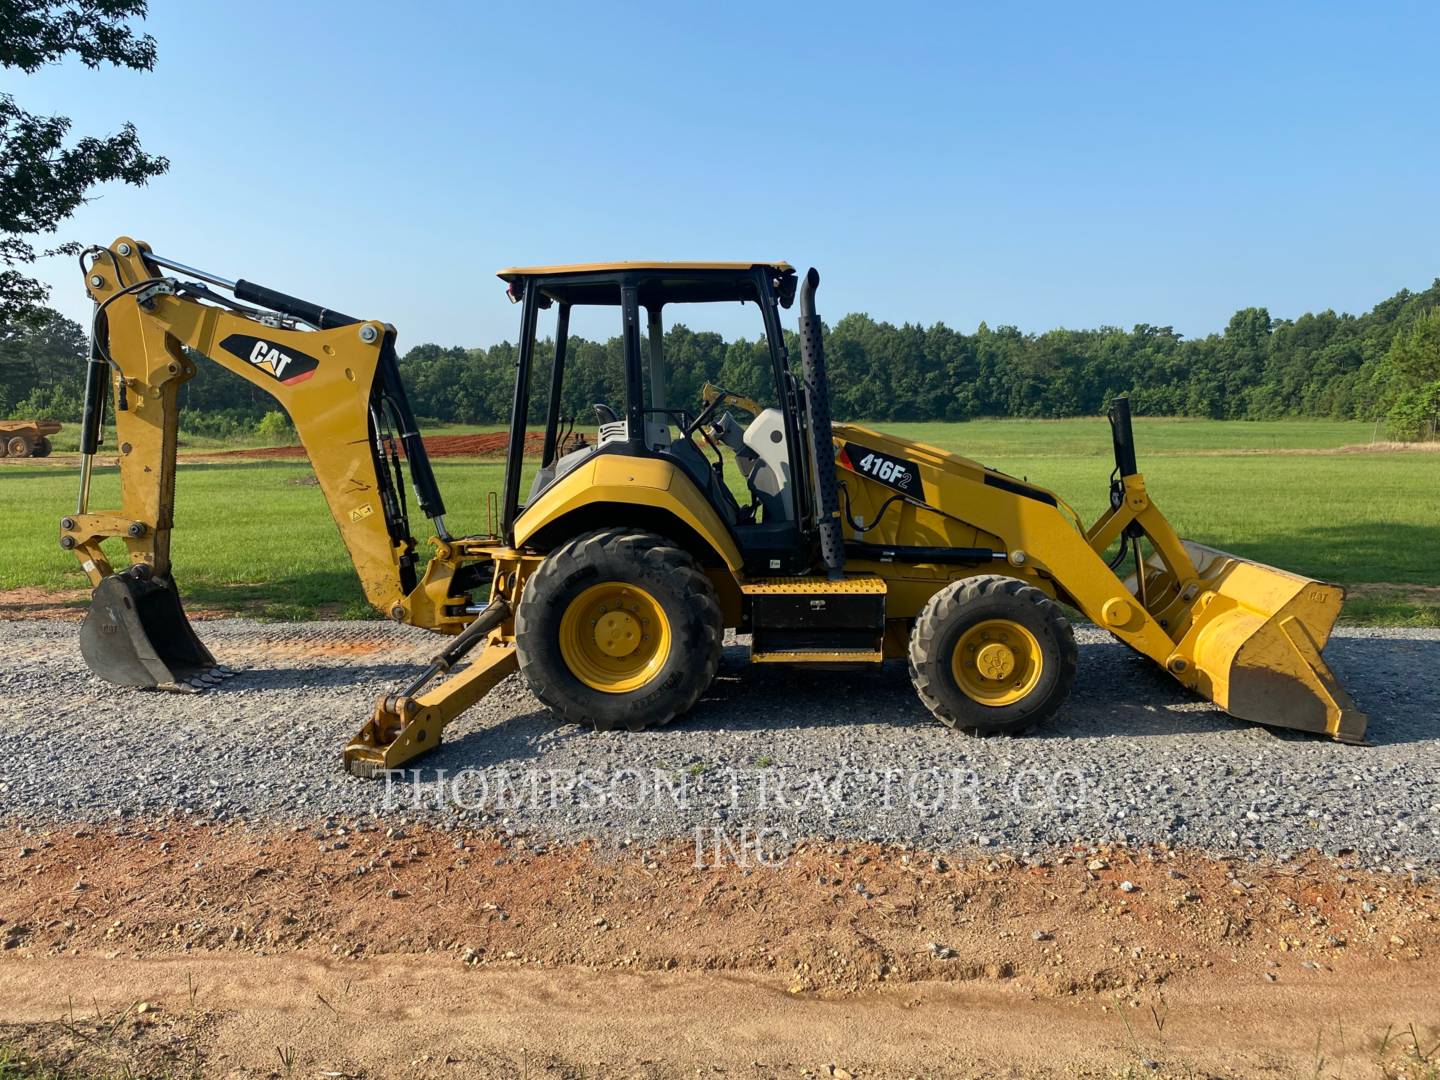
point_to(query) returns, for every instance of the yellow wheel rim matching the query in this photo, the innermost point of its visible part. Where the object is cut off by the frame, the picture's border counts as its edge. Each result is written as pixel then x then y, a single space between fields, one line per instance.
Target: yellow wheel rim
pixel 997 662
pixel 614 637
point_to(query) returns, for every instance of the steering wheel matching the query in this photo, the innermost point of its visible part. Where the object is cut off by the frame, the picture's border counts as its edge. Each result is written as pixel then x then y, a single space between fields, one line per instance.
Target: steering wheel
pixel 708 411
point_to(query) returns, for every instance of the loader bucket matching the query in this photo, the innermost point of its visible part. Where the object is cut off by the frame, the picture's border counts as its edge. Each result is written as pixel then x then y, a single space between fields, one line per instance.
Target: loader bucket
pixel 1254 635
pixel 136 634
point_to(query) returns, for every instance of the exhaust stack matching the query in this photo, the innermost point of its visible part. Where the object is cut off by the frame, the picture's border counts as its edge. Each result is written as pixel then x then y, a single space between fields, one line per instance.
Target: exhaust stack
pixel 822 441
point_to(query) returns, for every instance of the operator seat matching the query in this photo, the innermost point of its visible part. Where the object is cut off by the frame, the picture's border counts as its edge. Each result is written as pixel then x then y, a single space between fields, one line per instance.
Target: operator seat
pixel 697 467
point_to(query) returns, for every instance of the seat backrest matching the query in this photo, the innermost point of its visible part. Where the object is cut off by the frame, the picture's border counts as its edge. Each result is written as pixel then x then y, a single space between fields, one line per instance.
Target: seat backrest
pixel 770 479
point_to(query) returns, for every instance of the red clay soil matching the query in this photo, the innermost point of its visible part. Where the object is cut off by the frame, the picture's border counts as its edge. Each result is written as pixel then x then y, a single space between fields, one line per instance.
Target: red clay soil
pixel 366 951
pixel 490 444
pixel 831 919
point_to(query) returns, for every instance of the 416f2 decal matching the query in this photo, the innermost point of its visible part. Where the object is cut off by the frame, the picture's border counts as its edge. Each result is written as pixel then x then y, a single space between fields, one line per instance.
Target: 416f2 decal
pixel 894 472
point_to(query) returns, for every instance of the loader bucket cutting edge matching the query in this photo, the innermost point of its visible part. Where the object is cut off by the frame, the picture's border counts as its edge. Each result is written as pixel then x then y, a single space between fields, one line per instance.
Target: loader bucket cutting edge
pixel 1256 635
pixel 136 634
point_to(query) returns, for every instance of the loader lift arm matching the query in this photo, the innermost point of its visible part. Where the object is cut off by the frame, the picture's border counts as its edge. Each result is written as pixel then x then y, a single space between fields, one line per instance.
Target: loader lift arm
pixel 338 379
pixel 1244 635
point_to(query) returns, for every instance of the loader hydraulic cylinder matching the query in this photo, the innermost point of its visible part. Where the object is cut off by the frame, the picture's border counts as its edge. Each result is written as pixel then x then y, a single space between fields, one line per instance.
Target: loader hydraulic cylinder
pixel 933 556
pixel 1123 436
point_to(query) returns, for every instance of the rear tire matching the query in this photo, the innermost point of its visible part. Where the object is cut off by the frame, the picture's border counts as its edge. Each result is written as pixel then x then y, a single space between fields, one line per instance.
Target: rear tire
pixel 619 628
pixel 991 655
pixel 19 446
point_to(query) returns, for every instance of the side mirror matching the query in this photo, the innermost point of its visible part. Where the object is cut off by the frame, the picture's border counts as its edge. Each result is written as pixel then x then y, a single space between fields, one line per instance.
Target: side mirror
pixel 785 288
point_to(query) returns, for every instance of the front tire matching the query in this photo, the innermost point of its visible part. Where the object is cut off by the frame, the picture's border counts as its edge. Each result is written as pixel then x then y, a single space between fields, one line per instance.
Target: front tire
pixel 992 655
pixel 619 628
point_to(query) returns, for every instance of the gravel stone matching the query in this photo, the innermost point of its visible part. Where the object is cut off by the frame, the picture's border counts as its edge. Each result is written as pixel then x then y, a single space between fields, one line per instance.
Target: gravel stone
pixel 770 756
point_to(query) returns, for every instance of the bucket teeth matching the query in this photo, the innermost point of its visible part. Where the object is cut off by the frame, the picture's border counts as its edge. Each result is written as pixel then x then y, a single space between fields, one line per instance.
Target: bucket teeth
pixel 207 680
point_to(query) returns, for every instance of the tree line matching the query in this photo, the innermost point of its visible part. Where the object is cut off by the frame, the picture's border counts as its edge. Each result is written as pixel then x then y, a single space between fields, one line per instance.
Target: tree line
pixel 1382 364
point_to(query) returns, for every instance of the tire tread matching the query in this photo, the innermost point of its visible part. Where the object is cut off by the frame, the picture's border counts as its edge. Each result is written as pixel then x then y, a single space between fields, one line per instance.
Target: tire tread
pixel 659 555
pixel 947 605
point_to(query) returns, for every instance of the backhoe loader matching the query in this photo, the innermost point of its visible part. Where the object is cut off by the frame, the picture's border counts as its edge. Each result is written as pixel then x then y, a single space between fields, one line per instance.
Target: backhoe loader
pixel 608 577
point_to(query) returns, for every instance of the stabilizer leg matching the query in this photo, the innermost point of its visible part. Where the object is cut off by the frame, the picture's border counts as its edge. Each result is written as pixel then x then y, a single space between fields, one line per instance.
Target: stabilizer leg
pixel 409 723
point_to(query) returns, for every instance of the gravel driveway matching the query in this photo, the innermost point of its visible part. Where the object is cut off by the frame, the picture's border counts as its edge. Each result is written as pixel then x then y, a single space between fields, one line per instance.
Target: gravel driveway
pixel 769 755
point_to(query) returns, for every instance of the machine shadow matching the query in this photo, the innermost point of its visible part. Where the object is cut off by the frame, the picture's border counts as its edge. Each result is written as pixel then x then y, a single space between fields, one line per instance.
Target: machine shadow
pixel 1328 552
pixel 1117 695
pixel 296 678
pixel 743 697
pixel 510 742
pixel 1138 698
pixel 1380 672
pixel 314 590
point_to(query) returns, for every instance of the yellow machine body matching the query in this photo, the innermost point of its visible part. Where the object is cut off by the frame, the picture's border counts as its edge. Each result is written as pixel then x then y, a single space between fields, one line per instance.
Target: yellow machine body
pixel 1246 636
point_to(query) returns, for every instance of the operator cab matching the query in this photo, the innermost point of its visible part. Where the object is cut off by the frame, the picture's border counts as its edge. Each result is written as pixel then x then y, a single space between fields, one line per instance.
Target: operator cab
pixel 742 448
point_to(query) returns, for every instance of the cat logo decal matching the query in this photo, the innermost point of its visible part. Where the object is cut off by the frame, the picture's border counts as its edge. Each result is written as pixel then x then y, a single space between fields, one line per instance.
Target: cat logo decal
pixel 280 362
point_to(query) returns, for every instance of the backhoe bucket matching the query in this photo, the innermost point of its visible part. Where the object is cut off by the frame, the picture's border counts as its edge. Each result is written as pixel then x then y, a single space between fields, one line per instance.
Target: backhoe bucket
pixel 136 634
pixel 1254 634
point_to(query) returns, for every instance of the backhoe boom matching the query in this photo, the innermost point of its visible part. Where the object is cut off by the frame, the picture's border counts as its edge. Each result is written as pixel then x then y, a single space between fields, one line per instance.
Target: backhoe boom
pixel 335 376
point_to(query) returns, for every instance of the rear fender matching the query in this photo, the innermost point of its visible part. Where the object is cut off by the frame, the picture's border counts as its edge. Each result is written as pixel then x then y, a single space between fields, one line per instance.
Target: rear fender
pixel 636 488
pixel 650 494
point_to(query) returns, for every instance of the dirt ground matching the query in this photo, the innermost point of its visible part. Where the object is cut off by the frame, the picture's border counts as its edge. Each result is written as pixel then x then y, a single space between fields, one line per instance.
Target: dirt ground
pixel 361 951
pixel 36 603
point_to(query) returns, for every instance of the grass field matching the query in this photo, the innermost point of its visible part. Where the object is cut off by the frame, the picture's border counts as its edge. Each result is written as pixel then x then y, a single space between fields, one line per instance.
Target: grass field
pixel 256 536
pixel 1083 436
pixel 1089 436
pixel 67 440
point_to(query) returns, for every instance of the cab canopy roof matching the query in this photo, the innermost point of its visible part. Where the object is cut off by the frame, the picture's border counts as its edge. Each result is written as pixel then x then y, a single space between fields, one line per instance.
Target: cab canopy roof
pixel 657 282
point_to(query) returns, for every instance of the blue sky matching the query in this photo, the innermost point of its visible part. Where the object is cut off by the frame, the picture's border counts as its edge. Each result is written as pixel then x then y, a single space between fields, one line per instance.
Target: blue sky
pixel 1043 166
